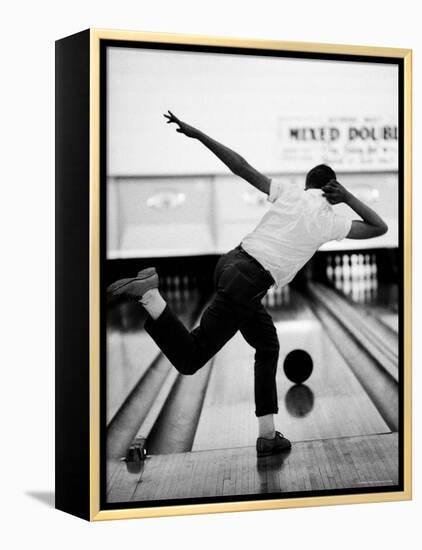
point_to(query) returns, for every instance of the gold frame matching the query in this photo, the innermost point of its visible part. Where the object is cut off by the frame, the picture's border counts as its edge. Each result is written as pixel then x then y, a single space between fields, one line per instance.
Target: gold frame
pixel 95 513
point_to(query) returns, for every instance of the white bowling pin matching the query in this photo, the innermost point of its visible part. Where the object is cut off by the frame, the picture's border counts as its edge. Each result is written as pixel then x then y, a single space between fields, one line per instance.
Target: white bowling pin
pixel 271 297
pixel 346 275
pixel 330 269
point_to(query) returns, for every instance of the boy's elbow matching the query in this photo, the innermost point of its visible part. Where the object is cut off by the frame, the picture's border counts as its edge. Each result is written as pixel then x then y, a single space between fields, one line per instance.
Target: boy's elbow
pixel 383 229
pixel 240 167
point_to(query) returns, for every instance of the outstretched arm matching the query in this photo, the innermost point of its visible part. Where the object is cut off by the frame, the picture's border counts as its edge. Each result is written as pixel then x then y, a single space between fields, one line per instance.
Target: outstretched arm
pixel 371 224
pixel 237 164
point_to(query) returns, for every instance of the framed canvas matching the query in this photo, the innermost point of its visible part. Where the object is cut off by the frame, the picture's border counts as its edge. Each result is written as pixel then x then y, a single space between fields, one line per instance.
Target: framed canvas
pixel 233 274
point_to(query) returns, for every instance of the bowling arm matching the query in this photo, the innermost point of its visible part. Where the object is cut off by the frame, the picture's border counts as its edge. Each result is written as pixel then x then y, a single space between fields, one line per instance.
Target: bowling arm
pixel 371 224
pixel 236 163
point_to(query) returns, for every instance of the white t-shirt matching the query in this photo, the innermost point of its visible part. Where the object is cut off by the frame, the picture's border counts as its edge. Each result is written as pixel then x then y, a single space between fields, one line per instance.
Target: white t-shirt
pixel 295 226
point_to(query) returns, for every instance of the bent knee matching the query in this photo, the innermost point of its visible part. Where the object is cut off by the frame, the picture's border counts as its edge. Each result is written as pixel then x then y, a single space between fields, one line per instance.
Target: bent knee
pixel 188 368
pixel 187 372
pixel 271 351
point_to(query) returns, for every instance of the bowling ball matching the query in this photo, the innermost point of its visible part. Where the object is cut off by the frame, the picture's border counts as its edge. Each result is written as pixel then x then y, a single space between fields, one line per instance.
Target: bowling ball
pixel 298 366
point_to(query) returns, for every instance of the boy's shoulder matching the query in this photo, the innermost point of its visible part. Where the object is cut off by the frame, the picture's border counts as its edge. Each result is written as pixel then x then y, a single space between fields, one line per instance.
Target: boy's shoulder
pixel 284 190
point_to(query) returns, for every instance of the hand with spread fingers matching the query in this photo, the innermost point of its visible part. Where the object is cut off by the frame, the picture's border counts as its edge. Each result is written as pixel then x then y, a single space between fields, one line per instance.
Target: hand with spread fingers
pixel 184 128
pixel 335 192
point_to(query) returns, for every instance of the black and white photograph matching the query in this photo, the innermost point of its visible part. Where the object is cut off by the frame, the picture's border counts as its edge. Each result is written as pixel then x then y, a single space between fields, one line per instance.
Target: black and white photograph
pixel 211 252
pixel 251 275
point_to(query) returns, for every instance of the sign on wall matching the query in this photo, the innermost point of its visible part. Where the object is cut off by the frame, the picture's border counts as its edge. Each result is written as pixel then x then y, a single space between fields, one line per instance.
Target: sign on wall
pixel 346 143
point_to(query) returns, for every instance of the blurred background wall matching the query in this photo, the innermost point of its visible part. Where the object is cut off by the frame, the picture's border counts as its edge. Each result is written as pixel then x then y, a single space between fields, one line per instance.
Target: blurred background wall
pixel 169 196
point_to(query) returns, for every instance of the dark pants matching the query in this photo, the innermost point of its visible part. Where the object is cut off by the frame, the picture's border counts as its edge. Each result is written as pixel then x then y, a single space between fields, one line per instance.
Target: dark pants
pixel 241 282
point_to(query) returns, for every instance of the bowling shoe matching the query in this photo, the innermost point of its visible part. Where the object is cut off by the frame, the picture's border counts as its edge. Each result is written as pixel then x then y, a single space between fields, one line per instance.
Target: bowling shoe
pixel 267 447
pixel 135 287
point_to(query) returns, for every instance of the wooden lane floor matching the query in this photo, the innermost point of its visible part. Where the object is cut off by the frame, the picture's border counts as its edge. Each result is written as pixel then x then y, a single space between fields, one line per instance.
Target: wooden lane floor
pixel 382 306
pixel 316 465
pixel 332 402
pixel 128 357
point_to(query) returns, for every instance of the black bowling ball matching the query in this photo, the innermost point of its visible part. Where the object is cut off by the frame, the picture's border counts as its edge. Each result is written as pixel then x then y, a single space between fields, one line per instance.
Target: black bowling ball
pixel 298 366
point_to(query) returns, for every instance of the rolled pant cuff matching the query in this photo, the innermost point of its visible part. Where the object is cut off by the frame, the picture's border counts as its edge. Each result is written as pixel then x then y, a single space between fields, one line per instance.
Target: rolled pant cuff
pixel 158 324
pixel 264 412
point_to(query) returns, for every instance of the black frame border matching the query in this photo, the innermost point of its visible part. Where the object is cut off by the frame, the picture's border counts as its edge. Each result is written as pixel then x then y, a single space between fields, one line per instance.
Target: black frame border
pixel 131 44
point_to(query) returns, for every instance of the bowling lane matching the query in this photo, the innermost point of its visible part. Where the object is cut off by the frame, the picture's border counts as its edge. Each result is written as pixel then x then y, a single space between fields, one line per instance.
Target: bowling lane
pixel 128 357
pixel 130 350
pixel 332 402
pixel 384 306
pixel 356 276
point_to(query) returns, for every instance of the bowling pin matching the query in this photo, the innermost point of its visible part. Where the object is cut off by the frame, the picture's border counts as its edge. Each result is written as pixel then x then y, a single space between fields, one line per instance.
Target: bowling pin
pixel 329 269
pixel 346 275
pixel 185 288
pixel 271 297
pixel 368 282
pixel 176 288
pixel 286 294
pixel 280 296
pixel 374 276
pixel 353 269
pixel 337 273
pixel 361 279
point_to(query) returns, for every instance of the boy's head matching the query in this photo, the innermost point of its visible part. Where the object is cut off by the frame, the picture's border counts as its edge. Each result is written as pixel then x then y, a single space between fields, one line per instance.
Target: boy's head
pixel 319 176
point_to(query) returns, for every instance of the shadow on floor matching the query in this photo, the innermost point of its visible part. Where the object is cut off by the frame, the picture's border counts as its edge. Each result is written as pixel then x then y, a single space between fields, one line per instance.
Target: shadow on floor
pixel 45 497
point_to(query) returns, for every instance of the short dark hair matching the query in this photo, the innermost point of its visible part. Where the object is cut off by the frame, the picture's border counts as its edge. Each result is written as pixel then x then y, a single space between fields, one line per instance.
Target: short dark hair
pixel 319 175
